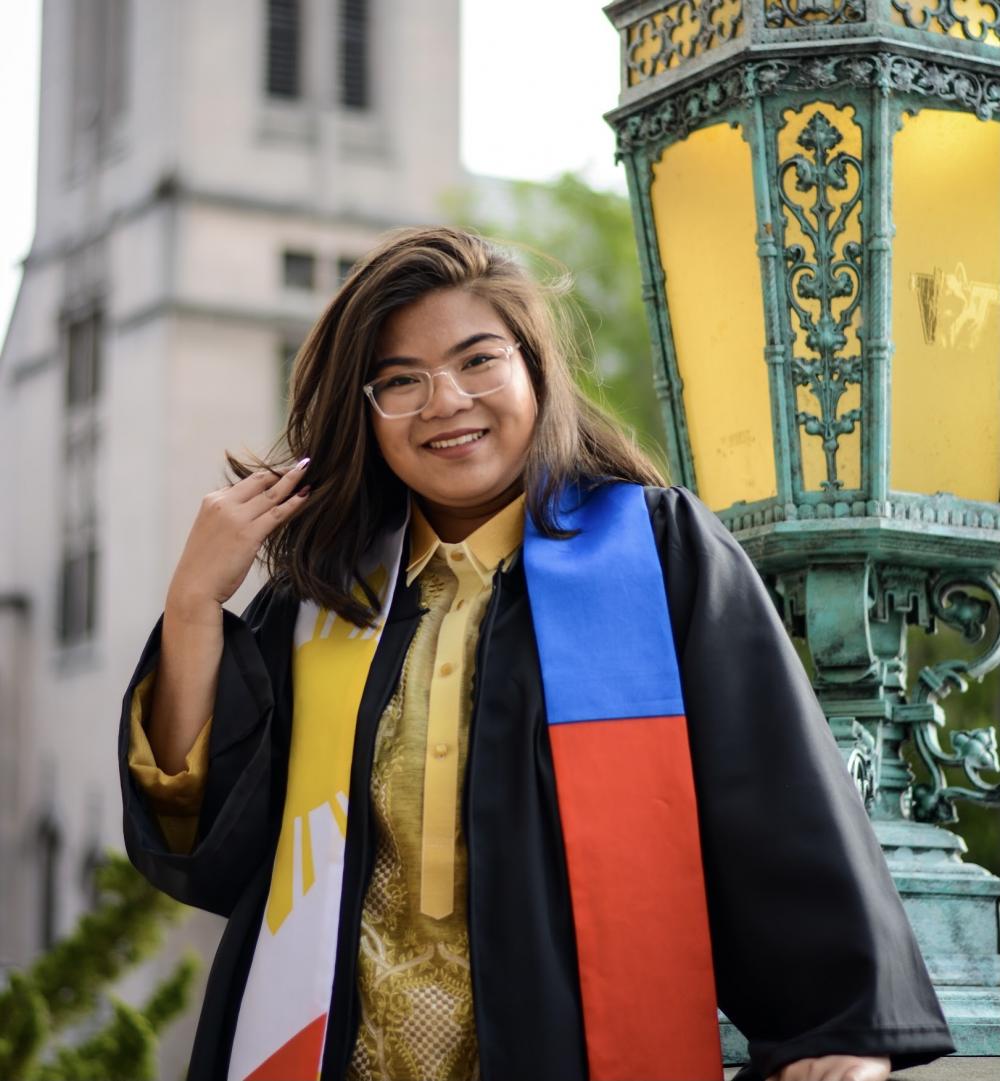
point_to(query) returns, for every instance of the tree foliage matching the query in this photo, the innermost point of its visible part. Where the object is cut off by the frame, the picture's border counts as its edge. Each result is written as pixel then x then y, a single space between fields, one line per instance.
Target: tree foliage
pixel 65 986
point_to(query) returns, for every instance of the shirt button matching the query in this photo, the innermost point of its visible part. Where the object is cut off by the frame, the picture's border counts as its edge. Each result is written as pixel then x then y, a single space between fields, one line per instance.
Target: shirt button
pixel 458 556
pixel 440 750
pixel 447 668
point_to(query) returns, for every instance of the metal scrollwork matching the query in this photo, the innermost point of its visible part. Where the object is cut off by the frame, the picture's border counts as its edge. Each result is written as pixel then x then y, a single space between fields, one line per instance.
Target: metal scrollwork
pixel 857 746
pixel 861 767
pixel 681 31
pixel 738 87
pixel 981 93
pixel 972 750
pixel 779 13
pixel 941 16
pixel 827 279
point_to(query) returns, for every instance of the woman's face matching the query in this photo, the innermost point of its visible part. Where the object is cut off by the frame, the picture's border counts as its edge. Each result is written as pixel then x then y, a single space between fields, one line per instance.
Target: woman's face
pixel 441 327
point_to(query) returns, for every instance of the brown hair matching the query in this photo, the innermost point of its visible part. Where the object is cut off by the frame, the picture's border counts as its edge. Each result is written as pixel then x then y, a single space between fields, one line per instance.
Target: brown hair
pixel 354 494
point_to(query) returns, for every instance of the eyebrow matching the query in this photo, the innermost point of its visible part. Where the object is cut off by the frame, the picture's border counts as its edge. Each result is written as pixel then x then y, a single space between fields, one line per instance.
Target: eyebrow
pixel 465 343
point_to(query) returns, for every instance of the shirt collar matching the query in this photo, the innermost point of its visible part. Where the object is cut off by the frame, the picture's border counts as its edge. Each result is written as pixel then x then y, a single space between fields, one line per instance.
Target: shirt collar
pixel 495 541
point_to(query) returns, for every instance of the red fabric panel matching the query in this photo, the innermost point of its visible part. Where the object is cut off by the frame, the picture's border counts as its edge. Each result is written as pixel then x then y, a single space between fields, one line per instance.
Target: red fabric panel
pixel 629 819
pixel 297 1060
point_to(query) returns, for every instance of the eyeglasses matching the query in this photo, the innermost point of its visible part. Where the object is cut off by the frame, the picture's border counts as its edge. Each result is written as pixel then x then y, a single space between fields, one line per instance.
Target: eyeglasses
pixel 406 392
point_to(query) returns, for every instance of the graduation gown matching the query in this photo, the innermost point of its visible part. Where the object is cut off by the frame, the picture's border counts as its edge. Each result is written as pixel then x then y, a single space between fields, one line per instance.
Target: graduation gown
pixel 812 951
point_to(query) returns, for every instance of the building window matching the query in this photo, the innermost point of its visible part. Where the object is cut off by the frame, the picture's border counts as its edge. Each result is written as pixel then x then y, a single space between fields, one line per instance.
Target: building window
pixel 354 54
pixel 345 264
pixel 115 32
pixel 299 270
pixel 83 360
pixel 94 852
pixel 283 48
pixel 48 838
pixel 93 860
pixel 100 67
pixel 288 351
pixel 79 563
pixel 78 595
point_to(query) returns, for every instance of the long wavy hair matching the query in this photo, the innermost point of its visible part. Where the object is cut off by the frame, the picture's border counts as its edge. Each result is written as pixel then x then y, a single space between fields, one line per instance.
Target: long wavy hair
pixel 354 494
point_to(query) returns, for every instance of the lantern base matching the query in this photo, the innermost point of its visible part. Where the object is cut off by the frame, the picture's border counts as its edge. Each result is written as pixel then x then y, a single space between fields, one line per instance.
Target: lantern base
pixel 952 907
pixel 734 1044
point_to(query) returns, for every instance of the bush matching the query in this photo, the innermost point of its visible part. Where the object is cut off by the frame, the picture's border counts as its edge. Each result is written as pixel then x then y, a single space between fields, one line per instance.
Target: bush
pixel 65 986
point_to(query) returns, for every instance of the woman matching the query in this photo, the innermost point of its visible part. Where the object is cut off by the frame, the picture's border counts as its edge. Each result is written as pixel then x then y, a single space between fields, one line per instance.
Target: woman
pixel 466 641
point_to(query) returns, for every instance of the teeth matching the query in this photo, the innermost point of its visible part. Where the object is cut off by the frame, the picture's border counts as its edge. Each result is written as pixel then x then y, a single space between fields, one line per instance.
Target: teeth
pixel 439 444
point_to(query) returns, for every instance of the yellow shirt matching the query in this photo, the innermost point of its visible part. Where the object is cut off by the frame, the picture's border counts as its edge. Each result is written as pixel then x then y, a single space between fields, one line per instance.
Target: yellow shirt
pixel 174 797
pixel 413 961
pixel 414 978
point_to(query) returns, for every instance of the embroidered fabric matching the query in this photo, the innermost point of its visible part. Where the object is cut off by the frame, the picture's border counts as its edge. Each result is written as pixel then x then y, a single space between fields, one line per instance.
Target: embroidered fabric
pixel 413 970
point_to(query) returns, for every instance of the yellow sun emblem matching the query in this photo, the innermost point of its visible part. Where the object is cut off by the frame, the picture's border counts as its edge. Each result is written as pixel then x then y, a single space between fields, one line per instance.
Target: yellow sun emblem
pixel 328 675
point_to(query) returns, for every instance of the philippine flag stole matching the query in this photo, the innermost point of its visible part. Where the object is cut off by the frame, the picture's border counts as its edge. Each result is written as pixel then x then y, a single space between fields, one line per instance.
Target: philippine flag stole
pixel 626 791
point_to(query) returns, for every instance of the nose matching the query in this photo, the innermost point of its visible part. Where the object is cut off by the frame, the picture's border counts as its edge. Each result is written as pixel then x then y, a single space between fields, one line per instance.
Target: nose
pixel 446 398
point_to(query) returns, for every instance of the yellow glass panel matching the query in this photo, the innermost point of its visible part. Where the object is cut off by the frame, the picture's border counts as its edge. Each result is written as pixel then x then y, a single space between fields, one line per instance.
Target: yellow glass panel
pixel 946 306
pixel 702 198
pixel 980 24
pixel 679 25
pixel 848 457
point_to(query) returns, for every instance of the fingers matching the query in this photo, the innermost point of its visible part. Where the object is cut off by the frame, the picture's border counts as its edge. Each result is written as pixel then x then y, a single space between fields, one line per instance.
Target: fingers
pixel 256 505
pixel 834 1068
pixel 263 480
pixel 277 503
pixel 267 522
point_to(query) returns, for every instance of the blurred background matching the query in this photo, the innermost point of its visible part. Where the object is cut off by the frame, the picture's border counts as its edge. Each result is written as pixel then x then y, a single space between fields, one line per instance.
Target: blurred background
pixel 185 183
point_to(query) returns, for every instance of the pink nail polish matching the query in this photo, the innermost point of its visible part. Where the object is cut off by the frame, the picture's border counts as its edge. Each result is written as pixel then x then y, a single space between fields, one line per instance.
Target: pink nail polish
pixel 303 463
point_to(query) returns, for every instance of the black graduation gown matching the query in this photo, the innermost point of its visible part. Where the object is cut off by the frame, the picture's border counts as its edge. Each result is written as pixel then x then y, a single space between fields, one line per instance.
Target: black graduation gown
pixel 813 953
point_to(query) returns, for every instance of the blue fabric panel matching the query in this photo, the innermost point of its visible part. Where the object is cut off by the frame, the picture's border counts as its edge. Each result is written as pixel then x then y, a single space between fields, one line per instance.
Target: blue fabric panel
pixel 599 609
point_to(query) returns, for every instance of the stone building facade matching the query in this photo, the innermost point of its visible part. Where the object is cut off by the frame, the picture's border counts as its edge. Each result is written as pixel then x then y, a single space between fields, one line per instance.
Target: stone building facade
pixel 206 174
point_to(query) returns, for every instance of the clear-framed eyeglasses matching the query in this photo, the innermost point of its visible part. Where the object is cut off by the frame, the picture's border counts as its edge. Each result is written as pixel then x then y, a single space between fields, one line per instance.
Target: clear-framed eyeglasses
pixel 405 391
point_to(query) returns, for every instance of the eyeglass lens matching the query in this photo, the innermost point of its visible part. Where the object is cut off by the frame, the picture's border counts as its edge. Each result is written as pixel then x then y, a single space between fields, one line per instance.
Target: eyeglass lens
pixel 409 391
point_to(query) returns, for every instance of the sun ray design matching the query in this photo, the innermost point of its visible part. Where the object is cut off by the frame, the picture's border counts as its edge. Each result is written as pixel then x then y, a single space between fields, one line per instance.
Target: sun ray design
pixel 330 673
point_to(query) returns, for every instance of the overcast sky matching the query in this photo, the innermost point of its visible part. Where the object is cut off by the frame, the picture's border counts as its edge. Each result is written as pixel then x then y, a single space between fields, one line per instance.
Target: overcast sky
pixel 537 75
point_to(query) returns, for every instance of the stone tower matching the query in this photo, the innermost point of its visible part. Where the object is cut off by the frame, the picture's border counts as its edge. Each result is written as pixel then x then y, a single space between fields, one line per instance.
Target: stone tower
pixel 206 174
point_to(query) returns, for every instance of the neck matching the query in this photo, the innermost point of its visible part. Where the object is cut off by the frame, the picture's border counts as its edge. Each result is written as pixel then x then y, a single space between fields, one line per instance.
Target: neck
pixel 453 524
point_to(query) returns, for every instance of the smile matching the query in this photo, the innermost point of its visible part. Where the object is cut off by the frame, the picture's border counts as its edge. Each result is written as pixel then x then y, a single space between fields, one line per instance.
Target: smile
pixel 470 437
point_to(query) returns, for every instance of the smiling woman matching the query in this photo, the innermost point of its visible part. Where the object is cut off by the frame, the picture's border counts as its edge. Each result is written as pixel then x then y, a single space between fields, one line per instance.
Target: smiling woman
pixel 464 450
pixel 420 299
pixel 465 777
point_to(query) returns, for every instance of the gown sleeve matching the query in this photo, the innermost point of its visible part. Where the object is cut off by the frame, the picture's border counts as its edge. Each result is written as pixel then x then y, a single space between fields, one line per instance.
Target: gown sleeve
pixel 175 797
pixel 813 952
pixel 242 782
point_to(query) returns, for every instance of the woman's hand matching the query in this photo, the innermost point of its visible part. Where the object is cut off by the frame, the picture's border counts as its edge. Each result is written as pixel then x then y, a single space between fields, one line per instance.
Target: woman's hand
pixel 230 527
pixel 227 532
pixel 834 1068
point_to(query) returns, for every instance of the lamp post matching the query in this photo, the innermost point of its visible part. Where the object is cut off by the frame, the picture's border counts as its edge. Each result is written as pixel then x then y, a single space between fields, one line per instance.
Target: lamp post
pixel 815 186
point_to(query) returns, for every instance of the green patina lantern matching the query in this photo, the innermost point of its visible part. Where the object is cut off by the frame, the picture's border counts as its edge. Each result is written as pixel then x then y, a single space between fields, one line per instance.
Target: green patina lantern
pixel 815 187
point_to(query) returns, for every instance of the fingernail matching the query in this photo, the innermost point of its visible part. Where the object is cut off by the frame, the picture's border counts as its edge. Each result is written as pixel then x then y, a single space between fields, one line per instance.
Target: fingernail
pixel 304 490
pixel 303 463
